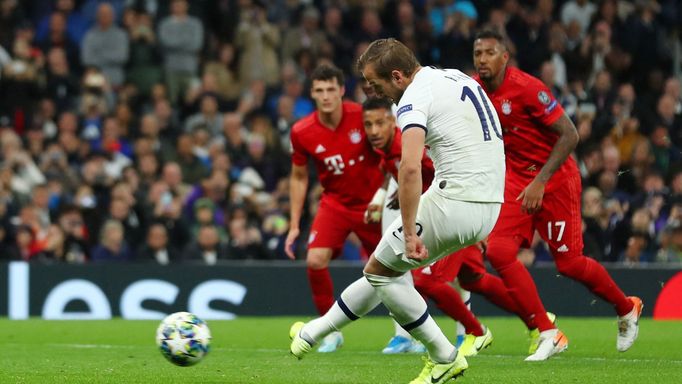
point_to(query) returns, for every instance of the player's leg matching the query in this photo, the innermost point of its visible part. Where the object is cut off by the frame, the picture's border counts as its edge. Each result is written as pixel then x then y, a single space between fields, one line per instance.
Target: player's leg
pixel 370 235
pixel 442 230
pixel 321 285
pixel 514 228
pixel 433 282
pixel 355 301
pixel 409 309
pixel 402 341
pixel 503 246
pixel 560 225
pixel 475 278
pixel 328 233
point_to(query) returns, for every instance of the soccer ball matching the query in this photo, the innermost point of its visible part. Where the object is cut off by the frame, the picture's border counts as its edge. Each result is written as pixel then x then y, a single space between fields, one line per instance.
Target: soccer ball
pixel 183 338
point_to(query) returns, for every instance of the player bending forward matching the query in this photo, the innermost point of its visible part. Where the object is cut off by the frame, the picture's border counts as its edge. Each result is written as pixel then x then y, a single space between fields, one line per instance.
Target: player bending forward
pixel 433 281
pixel 438 108
pixel 542 192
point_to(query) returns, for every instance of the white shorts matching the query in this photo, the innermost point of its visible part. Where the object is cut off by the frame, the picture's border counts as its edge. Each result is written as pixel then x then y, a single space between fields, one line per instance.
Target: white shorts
pixel 444 225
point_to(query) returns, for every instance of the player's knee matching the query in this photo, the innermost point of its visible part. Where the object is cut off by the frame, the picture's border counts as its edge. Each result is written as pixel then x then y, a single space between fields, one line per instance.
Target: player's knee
pixel 502 252
pixel 318 258
pixel 571 266
pixel 467 279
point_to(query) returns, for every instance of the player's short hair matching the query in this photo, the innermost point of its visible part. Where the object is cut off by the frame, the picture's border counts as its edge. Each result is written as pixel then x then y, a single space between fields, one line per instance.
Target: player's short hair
pixel 387 55
pixel 373 103
pixel 325 72
pixel 491 33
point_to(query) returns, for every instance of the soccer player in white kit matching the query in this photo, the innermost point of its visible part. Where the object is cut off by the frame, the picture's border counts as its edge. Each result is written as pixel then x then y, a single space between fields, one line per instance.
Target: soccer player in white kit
pixel 449 112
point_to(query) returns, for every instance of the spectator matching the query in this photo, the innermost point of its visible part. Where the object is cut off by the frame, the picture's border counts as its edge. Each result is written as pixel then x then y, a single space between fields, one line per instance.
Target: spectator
pixel 62 85
pixel 257 42
pixel 579 12
pixel 76 24
pixel 224 70
pixel 305 36
pixel 106 46
pixel 181 37
pixel 208 117
pixel 172 176
pixel 112 245
pixel 143 67
pixel 205 214
pixel 207 248
pixel 157 247
pixel 161 145
pixel 245 240
pixel 20 82
pixel 165 207
pixel 58 37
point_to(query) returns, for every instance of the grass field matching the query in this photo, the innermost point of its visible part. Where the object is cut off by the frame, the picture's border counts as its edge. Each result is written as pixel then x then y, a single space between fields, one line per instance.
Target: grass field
pixel 255 350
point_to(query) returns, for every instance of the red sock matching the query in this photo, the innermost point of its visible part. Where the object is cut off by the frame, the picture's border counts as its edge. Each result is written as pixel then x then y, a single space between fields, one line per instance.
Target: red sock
pixel 493 289
pixel 449 301
pixel 521 287
pixel 323 289
pixel 502 253
pixel 595 277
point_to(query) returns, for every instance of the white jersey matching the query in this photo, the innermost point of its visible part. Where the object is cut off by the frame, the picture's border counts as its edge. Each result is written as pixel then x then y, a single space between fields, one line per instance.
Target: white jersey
pixel 463 133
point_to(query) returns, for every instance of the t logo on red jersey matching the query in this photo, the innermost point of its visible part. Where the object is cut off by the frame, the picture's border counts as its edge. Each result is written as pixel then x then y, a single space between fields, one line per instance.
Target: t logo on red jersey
pixel 335 163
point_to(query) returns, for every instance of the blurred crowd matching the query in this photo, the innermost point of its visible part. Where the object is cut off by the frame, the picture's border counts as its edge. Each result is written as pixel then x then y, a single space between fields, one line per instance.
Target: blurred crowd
pixel 154 130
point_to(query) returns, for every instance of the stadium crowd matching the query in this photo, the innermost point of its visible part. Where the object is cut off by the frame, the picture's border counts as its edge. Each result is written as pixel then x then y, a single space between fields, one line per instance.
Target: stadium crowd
pixel 158 131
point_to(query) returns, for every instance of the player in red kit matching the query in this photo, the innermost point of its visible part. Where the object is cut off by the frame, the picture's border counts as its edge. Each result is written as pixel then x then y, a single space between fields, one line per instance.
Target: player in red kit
pixel 543 193
pixel 466 265
pixel 348 170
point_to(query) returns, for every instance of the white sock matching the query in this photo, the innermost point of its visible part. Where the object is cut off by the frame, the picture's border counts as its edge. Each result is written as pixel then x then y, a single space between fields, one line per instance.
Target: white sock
pixel 355 301
pixel 409 309
pixel 399 330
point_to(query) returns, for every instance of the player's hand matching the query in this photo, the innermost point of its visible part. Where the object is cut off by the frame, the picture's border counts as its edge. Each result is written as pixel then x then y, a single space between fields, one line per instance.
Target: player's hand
pixel 531 197
pixel 373 214
pixel 482 245
pixel 289 243
pixel 415 249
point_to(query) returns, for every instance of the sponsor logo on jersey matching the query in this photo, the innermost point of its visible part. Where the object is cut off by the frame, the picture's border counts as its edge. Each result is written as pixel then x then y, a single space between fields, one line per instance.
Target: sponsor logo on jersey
pixel 563 248
pixel 506 107
pixel 320 148
pixel 551 107
pixel 544 98
pixel 355 136
pixel 403 109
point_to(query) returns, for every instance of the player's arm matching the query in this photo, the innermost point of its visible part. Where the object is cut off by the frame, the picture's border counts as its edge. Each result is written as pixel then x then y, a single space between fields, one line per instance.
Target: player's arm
pixel 410 189
pixel 376 206
pixel 298 186
pixel 564 146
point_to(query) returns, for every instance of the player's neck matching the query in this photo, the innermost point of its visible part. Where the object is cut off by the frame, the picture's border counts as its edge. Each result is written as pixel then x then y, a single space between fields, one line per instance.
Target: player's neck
pixel 331 120
pixel 494 83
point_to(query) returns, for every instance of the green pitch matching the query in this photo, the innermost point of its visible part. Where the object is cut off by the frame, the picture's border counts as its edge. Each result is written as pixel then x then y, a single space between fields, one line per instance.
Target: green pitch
pixel 255 350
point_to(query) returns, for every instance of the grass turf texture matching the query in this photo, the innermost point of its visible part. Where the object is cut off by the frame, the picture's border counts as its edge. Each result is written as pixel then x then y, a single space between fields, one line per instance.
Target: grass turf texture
pixel 255 350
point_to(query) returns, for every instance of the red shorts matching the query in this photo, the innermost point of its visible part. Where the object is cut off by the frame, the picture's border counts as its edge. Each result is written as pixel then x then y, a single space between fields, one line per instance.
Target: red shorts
pixel 468 260
pixel 559 221
pixel 333 224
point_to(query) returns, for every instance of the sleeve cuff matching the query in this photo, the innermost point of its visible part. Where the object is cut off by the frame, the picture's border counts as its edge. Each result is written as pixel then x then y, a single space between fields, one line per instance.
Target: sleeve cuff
pixel 415 125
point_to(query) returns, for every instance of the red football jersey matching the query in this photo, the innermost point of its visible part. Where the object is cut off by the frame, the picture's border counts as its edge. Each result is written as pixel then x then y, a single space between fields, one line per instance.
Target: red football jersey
pixel 390 161
pixel 527 109
pixel 347 166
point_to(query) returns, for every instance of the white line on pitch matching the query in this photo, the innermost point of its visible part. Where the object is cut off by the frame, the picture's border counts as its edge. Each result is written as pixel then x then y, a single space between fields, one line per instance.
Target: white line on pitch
pixel 275 350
